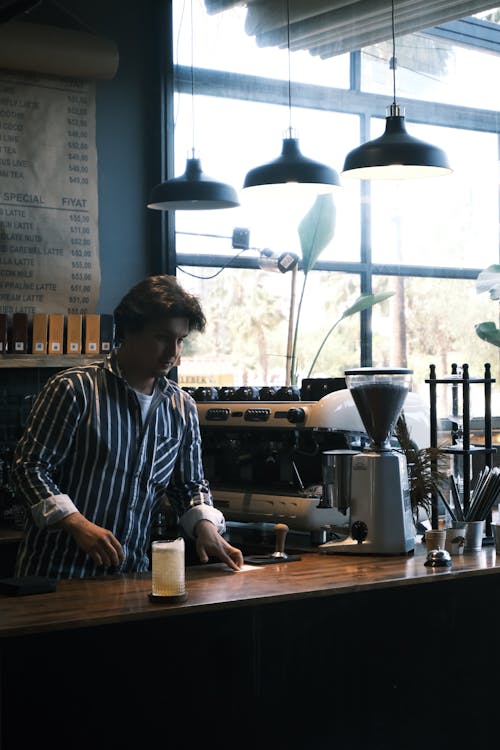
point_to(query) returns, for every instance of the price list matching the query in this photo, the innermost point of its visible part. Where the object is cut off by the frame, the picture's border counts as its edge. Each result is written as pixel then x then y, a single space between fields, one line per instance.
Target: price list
pixel 49 249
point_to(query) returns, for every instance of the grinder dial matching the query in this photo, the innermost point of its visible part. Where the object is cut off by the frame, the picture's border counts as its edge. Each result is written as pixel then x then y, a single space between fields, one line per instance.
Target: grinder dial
pixel 359 531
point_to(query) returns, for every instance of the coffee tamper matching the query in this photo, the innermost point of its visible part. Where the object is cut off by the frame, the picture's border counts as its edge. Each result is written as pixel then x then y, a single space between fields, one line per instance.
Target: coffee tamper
pixel 279 555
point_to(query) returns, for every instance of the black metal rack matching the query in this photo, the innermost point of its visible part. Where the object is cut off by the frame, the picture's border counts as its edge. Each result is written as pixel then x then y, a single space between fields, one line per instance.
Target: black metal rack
pixel 466 449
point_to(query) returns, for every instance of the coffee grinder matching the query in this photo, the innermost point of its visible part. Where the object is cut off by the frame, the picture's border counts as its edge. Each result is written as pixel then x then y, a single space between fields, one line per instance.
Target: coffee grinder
pixel 378 501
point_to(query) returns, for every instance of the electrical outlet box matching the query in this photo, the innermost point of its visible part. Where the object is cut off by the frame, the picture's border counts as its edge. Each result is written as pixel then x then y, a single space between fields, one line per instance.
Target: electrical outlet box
pixel 241 238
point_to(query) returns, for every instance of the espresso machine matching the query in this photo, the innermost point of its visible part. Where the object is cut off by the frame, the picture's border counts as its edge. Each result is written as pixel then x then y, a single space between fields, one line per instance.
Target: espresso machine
pixel 262 457
pixel 264 454
pixel 372 486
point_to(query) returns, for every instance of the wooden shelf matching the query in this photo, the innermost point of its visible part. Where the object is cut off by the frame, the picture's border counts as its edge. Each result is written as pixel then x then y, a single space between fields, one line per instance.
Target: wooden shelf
pixel 47 360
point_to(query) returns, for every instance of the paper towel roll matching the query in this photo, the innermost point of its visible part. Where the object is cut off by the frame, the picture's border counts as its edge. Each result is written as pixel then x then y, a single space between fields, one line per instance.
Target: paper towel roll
pixel 168 568
pixel 38 48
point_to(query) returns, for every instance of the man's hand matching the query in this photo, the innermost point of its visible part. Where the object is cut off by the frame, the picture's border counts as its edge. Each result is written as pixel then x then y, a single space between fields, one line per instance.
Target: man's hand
pixel 209 543
pixel 102 546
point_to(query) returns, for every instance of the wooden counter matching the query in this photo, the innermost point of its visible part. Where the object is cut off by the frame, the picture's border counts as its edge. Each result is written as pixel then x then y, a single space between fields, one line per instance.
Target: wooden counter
pixel 338 652
pixel 120 599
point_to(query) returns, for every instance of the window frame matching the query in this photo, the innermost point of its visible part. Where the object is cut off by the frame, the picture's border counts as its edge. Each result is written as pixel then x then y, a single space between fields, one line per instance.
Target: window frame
pixel 469 32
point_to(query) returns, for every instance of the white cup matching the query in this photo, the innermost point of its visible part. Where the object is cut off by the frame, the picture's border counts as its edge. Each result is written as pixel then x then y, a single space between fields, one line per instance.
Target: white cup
pixel 495 527
pixel 455 539
pixel 168 575
pixel 473 536
pixel 435 539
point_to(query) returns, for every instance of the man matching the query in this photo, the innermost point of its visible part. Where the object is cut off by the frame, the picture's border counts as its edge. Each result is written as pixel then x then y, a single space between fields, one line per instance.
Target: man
pixel 105 440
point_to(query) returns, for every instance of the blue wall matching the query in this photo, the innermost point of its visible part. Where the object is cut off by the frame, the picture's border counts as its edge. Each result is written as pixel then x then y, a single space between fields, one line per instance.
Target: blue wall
pixel 128 149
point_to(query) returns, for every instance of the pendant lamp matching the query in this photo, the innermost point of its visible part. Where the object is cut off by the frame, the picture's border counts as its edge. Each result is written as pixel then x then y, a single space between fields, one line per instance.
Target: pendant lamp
pixel 395 155
pixel 193 190
pixel 291 170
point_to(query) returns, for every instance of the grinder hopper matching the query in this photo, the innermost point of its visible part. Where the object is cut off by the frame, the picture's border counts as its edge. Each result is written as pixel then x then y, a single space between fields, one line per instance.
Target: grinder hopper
pixel 380 520
pixel 379 395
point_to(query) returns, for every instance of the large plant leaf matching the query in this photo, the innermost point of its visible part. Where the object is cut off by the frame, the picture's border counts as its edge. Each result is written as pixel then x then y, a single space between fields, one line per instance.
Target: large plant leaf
pixel 365 301
pixel 316 230
pixel 489 281
pixel 488 332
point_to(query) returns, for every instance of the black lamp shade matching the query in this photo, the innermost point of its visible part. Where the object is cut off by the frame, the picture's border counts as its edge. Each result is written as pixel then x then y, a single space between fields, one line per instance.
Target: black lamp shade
pixel 396 155
pixel 192 191
pixel 293 167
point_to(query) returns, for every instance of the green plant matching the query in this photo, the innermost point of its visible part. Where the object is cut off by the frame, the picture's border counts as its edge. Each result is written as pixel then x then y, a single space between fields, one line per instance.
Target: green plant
pixel 427 469
pixel 315 232
pixel 489 281
pixel 363 302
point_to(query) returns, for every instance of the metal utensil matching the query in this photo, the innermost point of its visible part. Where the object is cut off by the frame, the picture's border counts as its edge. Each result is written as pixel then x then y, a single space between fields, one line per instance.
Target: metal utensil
pixel 279 555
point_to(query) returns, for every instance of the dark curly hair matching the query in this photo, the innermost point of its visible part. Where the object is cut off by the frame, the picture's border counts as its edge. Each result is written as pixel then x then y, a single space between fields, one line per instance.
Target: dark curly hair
pixel 154 298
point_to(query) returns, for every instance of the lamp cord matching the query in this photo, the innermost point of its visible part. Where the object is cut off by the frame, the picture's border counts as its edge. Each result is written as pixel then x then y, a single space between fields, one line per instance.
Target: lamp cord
pixel 394 62
pixel 289 69
pixel 192 83
pixel 221 269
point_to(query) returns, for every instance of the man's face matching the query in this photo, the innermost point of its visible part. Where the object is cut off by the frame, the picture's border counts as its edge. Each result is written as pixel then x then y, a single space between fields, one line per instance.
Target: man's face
pixel 157 348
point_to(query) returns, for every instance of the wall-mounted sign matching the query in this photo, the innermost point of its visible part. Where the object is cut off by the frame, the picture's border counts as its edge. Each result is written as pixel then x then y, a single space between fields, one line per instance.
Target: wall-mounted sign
pixel 49 249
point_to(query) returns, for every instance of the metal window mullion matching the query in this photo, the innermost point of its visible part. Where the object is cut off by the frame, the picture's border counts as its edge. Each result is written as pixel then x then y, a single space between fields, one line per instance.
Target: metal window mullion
pixel 240 86
pixel 355 71
pixel 366 276
pixel 330 266
pixel 163 252
pixel 498 199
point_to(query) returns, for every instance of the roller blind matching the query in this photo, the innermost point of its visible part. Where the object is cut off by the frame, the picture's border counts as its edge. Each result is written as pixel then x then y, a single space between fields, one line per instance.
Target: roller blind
pixel 332 27
pixel 51 50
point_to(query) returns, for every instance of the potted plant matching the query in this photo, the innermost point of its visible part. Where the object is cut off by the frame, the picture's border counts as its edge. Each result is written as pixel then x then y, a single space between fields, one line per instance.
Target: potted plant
pixel 427 471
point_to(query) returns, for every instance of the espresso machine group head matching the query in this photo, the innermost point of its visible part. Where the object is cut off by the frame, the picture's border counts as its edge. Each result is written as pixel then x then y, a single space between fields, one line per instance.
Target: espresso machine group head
pixel 372 485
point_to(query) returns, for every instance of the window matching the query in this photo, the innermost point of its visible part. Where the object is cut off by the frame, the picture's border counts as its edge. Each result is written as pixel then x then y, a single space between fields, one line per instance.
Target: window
pixel 425 241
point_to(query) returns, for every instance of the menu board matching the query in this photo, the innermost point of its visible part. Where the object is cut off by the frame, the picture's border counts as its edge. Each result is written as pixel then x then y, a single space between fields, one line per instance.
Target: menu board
pixel 49 249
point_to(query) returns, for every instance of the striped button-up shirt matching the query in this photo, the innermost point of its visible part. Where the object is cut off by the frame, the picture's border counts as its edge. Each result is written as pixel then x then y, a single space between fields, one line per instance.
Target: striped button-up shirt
pixel 86 448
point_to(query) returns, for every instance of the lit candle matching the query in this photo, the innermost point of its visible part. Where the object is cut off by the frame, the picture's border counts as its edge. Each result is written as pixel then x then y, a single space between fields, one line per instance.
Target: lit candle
pixel 168 569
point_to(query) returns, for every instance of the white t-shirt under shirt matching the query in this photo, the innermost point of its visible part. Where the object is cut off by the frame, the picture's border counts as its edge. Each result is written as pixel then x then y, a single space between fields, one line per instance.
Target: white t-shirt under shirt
pixel 144 403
